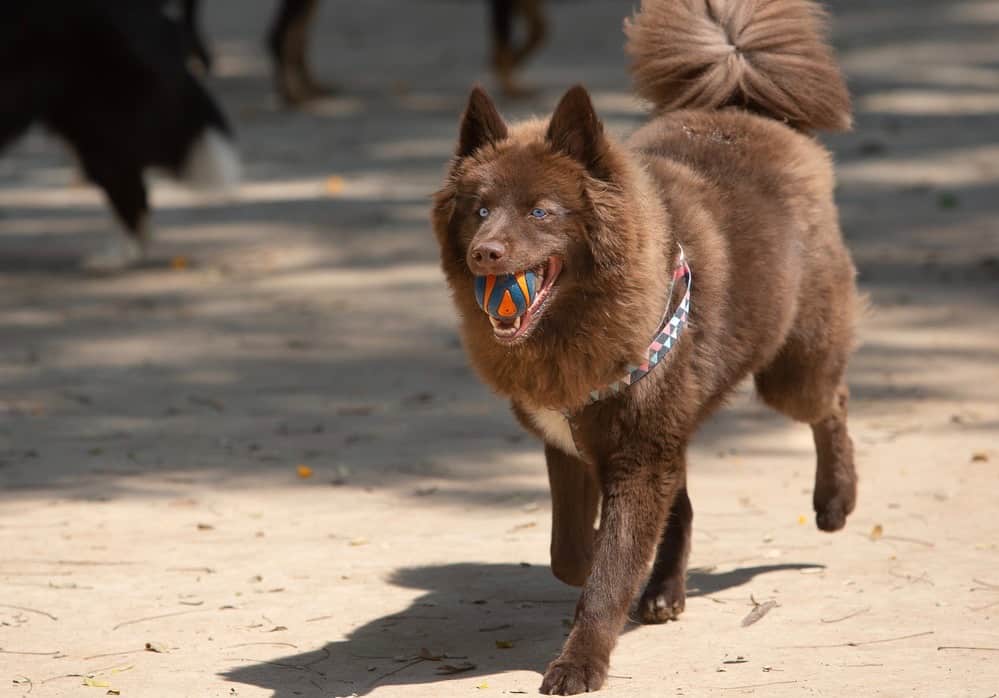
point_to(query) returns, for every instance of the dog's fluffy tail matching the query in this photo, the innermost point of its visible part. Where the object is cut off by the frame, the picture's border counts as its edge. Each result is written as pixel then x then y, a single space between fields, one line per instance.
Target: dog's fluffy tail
pixel 767 56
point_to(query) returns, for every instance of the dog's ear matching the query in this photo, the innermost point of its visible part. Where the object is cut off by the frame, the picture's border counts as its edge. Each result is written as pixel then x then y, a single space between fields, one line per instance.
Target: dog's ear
pixel 480 124
pixel 576 131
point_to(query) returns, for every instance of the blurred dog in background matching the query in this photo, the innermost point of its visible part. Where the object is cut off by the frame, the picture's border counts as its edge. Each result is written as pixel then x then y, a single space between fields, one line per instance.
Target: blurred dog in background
pixel 109 77
pixel 288 43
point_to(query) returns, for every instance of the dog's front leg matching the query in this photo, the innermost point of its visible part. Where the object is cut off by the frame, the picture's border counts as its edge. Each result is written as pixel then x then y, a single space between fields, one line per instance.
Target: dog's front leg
pixel 637 493
pixel 575 496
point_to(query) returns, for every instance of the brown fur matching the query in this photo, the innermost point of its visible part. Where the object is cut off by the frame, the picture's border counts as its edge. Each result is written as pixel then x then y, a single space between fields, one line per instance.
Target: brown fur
pixel 766 55
pixel 773 296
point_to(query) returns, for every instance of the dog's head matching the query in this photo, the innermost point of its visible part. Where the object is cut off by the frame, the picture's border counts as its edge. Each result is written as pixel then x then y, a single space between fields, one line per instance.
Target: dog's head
pixel 549 197
pixel 516 200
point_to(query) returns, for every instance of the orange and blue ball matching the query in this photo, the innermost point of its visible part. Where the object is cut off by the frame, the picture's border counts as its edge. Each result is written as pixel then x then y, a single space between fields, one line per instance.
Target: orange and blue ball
pixel 506 296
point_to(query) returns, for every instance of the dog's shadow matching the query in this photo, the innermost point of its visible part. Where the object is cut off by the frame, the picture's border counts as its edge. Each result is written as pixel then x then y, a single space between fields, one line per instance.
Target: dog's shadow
pixel 475 619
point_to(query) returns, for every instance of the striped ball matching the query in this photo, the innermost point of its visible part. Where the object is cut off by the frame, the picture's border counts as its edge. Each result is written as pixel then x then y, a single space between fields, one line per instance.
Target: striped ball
pixel 507 296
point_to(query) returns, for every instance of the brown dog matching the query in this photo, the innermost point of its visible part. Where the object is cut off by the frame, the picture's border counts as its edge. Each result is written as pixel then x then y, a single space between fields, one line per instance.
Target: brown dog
pixel 720 207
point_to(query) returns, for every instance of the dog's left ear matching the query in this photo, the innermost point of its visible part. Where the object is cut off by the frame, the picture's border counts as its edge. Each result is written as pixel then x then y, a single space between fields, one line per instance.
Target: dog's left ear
pixel 576 131
pixel 480 124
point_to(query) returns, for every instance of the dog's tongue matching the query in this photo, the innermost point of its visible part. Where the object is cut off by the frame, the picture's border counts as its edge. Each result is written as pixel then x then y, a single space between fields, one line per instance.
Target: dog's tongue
pixel 506 297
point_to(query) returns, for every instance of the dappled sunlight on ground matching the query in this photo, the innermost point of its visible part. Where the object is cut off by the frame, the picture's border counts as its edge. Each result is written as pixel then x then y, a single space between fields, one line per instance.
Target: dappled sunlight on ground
pixel 152 423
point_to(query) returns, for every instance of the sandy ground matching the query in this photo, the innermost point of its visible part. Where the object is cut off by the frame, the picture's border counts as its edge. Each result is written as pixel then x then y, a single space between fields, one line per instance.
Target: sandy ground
pixel 158 540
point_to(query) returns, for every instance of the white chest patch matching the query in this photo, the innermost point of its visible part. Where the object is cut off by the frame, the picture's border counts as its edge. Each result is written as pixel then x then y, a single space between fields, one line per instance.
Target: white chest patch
pixel 556 429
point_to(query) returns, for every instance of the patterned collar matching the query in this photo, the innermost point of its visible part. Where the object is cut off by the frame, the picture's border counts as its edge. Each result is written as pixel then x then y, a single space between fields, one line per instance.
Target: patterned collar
pixel 666 336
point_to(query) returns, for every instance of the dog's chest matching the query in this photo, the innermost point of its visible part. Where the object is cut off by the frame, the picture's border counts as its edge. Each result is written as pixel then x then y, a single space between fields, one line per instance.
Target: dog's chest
pixel 555 428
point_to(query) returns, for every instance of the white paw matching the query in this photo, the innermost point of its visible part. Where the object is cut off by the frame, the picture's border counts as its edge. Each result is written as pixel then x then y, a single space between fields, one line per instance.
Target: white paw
pixel 212 163
pixel 120 253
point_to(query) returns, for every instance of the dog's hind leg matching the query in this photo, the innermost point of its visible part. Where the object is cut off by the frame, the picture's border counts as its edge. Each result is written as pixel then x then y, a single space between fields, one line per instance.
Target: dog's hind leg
pixel 575 497
pixel 126 191
pixel 805 382
pixel 504 56
pixel 835 492
pixel 288 40
pixel 537 29
pixel 665 593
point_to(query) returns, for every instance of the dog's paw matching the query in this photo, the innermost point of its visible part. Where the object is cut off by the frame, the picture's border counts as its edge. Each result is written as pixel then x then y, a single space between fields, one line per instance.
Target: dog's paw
pixel 120 253
pixel 831 514
pixel 567 677
pixel 833 504
pixel 661 606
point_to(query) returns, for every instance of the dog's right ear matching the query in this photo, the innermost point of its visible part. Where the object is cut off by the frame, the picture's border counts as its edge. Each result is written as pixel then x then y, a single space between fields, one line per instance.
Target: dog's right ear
pixel 480 124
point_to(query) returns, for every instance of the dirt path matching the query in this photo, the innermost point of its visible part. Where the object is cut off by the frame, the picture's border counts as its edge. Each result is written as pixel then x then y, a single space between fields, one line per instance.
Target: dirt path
pixel 152 425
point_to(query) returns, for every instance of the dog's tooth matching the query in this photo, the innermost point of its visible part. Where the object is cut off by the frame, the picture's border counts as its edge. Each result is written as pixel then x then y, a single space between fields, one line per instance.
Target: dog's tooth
pixel 516 324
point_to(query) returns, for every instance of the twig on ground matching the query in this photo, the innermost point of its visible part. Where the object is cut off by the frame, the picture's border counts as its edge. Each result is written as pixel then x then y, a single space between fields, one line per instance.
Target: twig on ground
pixel 296 667
pixel 752 685
pixel 847 616
pixel 247 644
pixel 326 655
pixel 111 654
pixel 206 570
pixel 163 615
pixel 924 577
pixel 395 671
pixel 906 539
pixel 29 610
pixel 856 644
pixel 35 654
pixel 61 676
pixel 964 647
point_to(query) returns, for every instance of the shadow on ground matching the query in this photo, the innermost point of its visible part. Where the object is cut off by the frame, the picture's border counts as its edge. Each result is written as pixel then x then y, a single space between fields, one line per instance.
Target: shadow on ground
pixel 465 611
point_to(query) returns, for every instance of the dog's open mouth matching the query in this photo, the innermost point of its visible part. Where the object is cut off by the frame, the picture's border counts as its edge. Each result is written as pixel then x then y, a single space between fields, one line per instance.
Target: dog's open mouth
pixel 509 331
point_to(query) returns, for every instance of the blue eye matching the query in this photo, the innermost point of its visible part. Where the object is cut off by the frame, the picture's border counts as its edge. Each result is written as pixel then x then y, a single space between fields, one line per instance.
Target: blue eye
pixel 483 212
pixel 539 213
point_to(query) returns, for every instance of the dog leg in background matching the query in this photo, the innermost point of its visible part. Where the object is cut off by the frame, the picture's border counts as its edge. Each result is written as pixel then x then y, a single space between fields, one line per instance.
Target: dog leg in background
pixel 190 9
pixel 637 496
pixel 501 12
pixel 575 498
pixel 665 593
pixel 126 190
pixel 537 29
pixel 289 42
pixel 507 57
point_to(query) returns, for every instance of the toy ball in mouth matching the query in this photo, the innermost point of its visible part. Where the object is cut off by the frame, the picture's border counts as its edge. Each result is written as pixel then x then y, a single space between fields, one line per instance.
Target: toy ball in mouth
pixel 506 296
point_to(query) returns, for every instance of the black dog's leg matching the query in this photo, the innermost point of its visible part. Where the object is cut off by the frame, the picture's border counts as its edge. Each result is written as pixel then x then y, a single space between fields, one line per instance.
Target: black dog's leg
pixel 190 10
pixel 126 191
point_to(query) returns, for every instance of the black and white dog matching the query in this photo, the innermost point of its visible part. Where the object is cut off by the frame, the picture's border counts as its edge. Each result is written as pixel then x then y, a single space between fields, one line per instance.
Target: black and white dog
pixel 109 77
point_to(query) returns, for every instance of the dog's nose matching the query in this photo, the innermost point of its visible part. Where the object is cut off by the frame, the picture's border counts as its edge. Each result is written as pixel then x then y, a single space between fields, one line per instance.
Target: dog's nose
pixel 488 252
